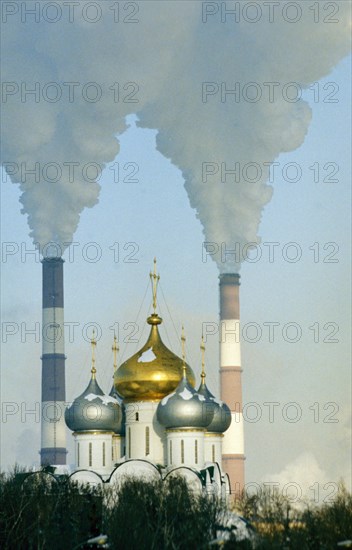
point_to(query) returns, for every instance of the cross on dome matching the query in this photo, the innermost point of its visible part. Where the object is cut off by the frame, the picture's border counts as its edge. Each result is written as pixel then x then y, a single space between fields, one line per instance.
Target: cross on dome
pixel 93 344
pixel 154 277
pixel 115 348
pixel 183 344
pixel 202 348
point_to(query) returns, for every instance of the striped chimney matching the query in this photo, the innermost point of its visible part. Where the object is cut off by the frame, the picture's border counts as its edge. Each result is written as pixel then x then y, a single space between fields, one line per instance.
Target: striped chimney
pixel 230 379
pixel 53 428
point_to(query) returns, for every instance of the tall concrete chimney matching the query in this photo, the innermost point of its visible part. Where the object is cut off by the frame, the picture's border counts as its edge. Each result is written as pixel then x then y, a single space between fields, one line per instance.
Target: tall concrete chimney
pixel 230 379
pixel 53 428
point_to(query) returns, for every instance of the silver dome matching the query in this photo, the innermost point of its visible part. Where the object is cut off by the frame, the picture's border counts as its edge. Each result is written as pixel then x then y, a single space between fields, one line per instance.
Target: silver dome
pixel 184 408
pixel 94 411
pixel 122 423
pixel 222 414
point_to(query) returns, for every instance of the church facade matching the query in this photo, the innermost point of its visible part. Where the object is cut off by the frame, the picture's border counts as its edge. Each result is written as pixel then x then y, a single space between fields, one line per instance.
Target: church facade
pixel 153 423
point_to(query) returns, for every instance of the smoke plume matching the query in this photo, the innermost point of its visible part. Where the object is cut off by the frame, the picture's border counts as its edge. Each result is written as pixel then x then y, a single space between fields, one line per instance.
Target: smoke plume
pixel 302 479
pixel 173 64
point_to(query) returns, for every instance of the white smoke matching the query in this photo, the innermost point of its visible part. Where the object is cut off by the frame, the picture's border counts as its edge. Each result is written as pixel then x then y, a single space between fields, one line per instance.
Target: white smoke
pixel 169 53
pixel 301 480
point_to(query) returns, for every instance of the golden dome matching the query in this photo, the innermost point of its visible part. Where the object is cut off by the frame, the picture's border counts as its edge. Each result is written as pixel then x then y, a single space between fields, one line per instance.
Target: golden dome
pixel 153 372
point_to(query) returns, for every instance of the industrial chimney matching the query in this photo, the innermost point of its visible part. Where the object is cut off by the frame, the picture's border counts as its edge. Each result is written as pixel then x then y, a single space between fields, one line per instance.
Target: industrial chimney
pixel 53 428
pixel 230 379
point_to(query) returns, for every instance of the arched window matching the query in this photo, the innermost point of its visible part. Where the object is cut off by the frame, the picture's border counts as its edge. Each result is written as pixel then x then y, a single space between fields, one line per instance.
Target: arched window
pixel 213 453
pixel 103 453
pixel 90 458
pixel 137 417
pixel 78 455
pixel 170 452
pixel 196 451
pixel 147 441
pixel 182 451
pixel 129 442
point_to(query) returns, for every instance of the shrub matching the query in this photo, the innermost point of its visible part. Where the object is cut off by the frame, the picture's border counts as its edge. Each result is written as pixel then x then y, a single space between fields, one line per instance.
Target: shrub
pixel 165 515
pixel 38 511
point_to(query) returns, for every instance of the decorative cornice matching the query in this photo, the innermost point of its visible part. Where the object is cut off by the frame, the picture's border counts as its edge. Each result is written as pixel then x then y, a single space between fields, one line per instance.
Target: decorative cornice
pixel 94 432
pixel 170 430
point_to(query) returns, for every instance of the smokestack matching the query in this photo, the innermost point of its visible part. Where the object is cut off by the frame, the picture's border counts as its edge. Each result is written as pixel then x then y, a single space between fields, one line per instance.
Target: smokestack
pixel 53 428
pixel 230 378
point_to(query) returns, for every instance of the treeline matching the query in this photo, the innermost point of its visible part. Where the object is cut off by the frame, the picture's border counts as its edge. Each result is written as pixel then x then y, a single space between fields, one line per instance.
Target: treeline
pixel 281 524
pixel 38 511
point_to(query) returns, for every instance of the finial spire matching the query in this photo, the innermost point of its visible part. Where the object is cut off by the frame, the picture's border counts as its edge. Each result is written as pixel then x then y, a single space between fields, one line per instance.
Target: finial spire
pixel 183 344
pixel 115 348
pixel 93 344
pixel 154 277
pixel 202 348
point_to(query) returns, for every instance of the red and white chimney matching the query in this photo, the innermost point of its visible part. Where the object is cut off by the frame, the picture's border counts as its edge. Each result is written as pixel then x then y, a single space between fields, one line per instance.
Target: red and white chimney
pixel 230 379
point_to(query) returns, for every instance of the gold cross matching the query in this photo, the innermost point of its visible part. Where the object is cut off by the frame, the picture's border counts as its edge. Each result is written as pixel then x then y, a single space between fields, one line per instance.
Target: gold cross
pixel 115 348
pixel 154 279
pixel 93 344
pixel 183 344
pixel 202 347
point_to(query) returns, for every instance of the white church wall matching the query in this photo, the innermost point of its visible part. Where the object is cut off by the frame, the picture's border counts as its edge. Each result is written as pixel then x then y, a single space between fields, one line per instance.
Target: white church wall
pixel 140 469
pixel 144 435
pixel 192 477
pixel 118 448
pixel 93 451
pixel 86 476
pixel 213 447
pixel 185 447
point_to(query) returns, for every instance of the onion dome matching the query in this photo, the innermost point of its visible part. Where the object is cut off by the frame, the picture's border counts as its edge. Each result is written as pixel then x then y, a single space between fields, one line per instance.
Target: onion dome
pixel 93 410
pixel 184 408
pixel 121 428
pixel 113 393
pixel 154 371
pixel 222 414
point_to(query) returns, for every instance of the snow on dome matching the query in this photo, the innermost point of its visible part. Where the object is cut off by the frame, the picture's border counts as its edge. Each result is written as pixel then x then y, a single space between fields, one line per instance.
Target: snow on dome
pixel 165 400
pixel 147 356
pixel 184 408
pixel 153 372
pixel 222 414
pixel 79 416
pixel 186 394
pixel 104 398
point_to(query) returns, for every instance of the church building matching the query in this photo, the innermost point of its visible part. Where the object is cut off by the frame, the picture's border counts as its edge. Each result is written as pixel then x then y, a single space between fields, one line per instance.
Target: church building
pixel 153 423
